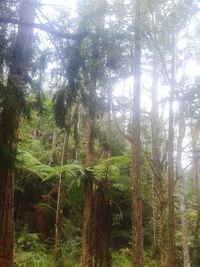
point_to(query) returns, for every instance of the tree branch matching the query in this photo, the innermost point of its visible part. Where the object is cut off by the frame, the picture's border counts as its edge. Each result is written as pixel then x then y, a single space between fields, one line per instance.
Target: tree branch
pixel 44 27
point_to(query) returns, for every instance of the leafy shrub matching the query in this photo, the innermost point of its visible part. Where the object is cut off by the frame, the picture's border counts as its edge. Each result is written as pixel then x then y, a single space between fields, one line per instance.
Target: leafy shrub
pixel 68 254
pixel 32 259
pixel 28 241
pixel 121 258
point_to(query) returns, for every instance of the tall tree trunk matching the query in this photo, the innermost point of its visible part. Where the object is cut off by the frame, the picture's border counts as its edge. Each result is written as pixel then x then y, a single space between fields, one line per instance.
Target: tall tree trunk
pixel 158 190
pixel 196 240
pixel 171 219
pixel 59 208
pixel 155 137
pixel 137 213
pixel 9 125
pixel 181 180
pixel 88 183
pixel 102 207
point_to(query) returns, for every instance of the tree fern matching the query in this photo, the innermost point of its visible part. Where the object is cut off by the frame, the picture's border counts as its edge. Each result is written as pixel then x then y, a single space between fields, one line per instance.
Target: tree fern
pixel 30 164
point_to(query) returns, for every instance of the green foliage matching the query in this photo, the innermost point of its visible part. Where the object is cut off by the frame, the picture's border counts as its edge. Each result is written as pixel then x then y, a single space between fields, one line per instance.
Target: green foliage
pixel 30 164
pixel 70 170
pixel 33 259
pixel 69 252
pixel 112 168
pixel 28 241
pixel 121 258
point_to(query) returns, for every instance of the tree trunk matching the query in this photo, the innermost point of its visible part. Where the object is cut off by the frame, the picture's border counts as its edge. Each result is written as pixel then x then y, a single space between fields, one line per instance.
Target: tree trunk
pixel 196 240
pixel 52 146
pixel 102 225
pixel 158 190
pixel 12 106
pixel 102 207
pixel 6 218
pixel 137 220
pixel 87 222
pixel 59 208
pixel 88 183
pixel 171 219
pixel 181 180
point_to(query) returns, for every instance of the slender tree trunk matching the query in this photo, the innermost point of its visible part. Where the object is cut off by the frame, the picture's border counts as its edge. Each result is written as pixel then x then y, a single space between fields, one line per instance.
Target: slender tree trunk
pixel 10 117
pixel 196 240
pixel 76 132
pixel 158 190
pixel 59 208
pixel 137 220
pixel 155 137
pixel 181 179
pixel 52 146
pixel 171 219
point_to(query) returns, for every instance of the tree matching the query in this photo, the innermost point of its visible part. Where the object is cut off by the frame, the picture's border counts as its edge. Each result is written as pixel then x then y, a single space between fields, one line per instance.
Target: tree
pixel 181 180
pixel 138 257
pixel 12 107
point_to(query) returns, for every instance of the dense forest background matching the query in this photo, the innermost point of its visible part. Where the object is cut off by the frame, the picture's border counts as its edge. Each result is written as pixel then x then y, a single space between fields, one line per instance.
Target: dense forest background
pixel 100 133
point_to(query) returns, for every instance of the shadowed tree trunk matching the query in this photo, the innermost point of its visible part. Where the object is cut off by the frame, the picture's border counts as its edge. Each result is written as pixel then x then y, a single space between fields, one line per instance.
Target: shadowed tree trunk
pixel 102 225
pixel 137 220
pixel 102 207
pixel 12 107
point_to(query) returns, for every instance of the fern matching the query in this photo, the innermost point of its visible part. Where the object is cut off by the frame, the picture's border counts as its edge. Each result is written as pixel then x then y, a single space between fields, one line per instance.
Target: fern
pixel 30 164
pixel 70 170
pixel 114 165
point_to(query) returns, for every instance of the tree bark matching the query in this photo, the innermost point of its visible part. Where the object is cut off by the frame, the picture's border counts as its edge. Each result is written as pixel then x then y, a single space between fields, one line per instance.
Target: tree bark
pixel 53 144
pixel 196 240
pixel 157 166
pixel 181 180
pixel 6 218
pixel 102 225
pixel 137 220
pixel 12 106
pixel 87 230
pixel 59 208
pixel 171 219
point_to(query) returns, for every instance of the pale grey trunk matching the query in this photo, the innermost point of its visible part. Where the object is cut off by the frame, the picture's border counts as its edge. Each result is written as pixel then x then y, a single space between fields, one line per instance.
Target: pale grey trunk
pixel 59 196
pixel 171 216
pixel 181 179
